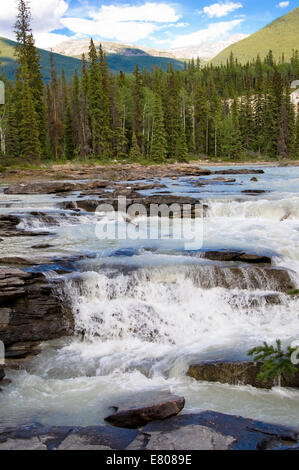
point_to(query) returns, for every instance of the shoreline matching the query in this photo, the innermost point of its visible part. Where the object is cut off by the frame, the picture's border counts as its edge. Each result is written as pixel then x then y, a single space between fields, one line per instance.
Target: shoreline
pixel 118 171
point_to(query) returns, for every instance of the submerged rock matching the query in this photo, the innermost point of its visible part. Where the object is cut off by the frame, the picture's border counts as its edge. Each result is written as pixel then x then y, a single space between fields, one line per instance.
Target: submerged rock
pixel 144 408
pixel 236 373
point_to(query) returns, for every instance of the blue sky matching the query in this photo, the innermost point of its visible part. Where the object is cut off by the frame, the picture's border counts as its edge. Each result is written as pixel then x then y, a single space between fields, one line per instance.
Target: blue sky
pixel 160 24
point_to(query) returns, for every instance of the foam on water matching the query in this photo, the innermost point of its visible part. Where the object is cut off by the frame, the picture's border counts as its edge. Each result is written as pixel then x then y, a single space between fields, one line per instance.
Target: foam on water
pixel 140 320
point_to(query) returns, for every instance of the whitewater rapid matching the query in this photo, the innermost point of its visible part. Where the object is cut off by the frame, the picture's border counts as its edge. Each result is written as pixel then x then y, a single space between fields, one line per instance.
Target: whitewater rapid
pixel 145 310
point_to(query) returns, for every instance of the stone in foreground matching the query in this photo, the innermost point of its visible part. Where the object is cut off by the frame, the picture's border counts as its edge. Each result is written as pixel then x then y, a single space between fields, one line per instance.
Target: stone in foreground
pixel 208 430
pixel 145 408
pixel 211 430
pixel 236 373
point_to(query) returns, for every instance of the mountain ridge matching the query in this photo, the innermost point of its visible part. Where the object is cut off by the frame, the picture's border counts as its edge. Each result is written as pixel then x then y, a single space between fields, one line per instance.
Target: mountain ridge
pixel 115 62
pixel 281 36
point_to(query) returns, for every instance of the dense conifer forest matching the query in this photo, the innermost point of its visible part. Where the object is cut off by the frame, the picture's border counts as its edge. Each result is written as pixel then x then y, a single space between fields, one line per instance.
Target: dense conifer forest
pixel 230 111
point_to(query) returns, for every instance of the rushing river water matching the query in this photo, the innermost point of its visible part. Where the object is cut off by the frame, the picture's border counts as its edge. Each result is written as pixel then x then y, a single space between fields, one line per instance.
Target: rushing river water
pixel 143 313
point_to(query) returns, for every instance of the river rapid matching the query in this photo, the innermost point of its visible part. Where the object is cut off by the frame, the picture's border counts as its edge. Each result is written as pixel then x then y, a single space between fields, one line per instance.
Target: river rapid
pixel 146 309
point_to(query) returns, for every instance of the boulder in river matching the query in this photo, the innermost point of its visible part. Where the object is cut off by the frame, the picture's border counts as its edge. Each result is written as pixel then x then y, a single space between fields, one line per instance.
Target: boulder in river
pixel 144 408
pixel 9 224
pixel 240 256
pixel 236 373
pixel 242 171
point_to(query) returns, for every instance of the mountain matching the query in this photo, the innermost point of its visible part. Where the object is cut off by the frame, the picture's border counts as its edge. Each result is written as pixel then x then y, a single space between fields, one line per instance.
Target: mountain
pixel 281 36
pixel 116 62
pixel 8 63
pixel 76 47
pixel 204 50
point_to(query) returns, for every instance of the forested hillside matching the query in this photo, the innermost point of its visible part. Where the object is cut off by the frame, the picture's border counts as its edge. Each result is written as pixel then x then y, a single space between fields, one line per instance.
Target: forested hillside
pixel 226 111
pixel 281 36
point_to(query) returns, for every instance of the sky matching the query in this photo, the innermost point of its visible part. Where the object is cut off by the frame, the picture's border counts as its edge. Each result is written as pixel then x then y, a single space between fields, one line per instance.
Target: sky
pixel 153 23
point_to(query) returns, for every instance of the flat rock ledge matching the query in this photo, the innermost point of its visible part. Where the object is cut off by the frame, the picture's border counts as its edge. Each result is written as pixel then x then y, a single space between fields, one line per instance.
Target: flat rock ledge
pixel 236 373
pixel 208 430
pixel 30 312
pixel 143 409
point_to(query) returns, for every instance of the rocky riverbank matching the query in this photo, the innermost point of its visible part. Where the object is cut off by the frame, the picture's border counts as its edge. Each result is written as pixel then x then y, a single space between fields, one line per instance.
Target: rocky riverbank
pixel 203 431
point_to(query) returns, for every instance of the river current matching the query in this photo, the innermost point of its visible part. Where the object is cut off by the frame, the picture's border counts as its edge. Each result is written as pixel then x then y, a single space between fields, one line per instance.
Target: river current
pixel 143 313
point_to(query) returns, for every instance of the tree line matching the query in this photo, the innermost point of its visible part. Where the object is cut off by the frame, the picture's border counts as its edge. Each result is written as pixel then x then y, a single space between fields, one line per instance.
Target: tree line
pixel 223 111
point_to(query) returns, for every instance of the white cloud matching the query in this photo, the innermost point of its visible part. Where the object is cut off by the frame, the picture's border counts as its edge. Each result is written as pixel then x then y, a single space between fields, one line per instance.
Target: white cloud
pixel 46 16
pixel 157 12
pixel 218 10
pixel 124 22
pixel 282 5
pixel 213 32
pixel 49 40
pixel 122 31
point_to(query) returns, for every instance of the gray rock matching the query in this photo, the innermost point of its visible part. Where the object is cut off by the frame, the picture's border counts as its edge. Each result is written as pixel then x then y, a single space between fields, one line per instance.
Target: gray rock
pixel 30 312
pixel 144 408
pixel 185 438
pixel 236 373
pixel 237 433
pixel 240 256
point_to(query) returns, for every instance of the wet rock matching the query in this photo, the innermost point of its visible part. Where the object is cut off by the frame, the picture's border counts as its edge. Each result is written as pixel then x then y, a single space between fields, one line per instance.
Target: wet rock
pixel 91 205
pixel 254 300
pixel 142 409
pixel 9 224
pixel 225 255
pixel 37 437
pixel 210 430
pixel 192 437
pixel 235 171
pixel 236 373
pixel 68 205
pixel 245 277
pixel 53 187
pixel 254 192
pixel 254 179
pixel 214 181
pixel 42 246
pixel 30 312
pixel 2 374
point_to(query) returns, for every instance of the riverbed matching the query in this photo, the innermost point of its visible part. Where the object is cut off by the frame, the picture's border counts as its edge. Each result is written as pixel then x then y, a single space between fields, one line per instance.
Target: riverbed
pixel 143 314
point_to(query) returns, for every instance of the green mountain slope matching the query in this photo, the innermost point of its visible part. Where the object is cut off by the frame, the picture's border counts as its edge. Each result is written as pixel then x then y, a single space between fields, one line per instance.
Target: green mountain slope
pixel 70 64
pixel 281 36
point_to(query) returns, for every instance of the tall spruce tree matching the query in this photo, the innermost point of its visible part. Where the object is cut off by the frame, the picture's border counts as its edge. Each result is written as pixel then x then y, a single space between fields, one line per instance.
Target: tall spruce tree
pixel 158 150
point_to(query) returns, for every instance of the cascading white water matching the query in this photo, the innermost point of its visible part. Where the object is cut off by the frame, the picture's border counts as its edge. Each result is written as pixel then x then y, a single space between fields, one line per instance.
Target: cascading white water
pixel 141 320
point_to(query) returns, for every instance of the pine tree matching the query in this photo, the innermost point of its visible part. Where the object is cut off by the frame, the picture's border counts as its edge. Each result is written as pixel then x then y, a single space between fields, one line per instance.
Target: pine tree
pixel 158 150
pixel 135 153
pixel 29 82
pixel 94 99
pixel 29 135
pixel 137 116
pixel 68 136
pixel 12 144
